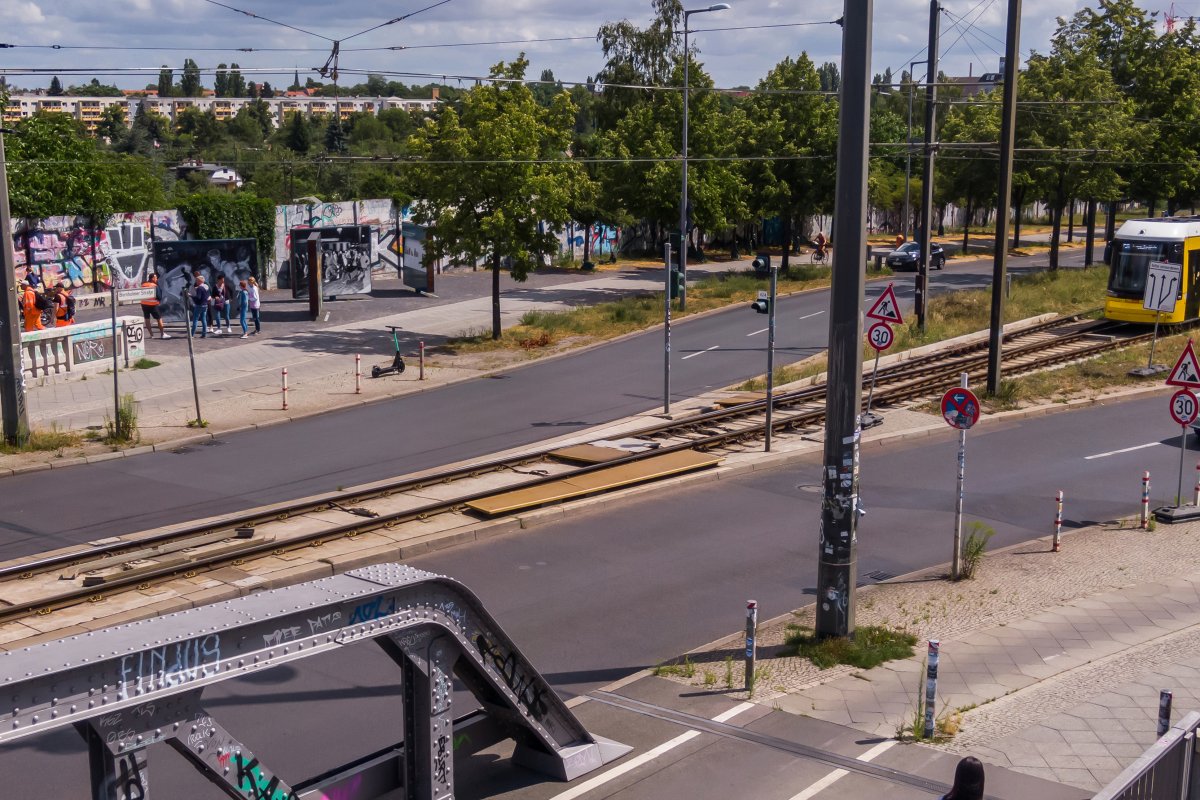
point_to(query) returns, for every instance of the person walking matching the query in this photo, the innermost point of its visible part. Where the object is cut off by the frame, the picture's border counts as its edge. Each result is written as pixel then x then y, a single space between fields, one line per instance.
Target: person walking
pixel 199 297
pixel 968 781
pixel 255 303
pixel 64 307
pixel 222 299
pixel 243 305
pixel 150 306
pixel 29 308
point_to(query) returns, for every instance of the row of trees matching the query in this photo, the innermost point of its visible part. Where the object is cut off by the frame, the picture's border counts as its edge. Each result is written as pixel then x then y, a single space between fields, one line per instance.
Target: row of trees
pixel 1106 114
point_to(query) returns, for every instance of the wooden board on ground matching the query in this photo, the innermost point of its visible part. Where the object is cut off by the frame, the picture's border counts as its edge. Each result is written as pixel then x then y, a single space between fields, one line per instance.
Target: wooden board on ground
pixel 652 468
pixel 739 399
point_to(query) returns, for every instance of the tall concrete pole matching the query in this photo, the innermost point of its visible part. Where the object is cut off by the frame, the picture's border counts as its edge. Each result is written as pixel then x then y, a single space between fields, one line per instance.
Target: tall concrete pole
pixel 927 181
pixel 839 506
pixel 12 383
pixel 1008 126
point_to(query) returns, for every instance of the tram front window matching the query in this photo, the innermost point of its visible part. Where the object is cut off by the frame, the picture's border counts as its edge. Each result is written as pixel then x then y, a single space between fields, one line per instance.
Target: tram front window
pixel 1131 261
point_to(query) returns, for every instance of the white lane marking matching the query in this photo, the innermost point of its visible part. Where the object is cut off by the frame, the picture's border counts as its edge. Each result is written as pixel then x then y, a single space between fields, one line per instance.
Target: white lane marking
pixel 838 774
pixel 756 333
pixel 814 314
pixel 1118 452
pixel 702 352
pixel 646 757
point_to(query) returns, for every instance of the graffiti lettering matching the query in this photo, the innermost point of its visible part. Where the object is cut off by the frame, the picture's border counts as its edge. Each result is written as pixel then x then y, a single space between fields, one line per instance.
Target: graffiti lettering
pixel 451 610
pixel 116 736
pixel 132 781
pixel 223 759
pixel 201 729
pixel 253 780
pixel 282 635
pixel 89 350
pixel 171 665
pixel 411 640
pixel 441 759
pixel 324 621
pixel 526 687
pixel 373 609
pixel 109 721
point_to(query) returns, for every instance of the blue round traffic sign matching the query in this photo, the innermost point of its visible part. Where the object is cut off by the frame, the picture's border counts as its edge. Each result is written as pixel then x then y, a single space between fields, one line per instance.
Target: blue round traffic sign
pixel 960 408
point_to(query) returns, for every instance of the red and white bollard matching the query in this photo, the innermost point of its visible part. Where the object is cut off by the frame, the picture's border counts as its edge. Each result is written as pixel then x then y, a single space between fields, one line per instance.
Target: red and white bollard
pixel 1145 498
pixel 421 362
pixel 285 388
pixel 357 373
pixel 1058 521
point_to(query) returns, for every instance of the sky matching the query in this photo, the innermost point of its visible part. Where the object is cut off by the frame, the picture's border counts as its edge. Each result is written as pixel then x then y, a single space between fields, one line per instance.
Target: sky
pixel 972 36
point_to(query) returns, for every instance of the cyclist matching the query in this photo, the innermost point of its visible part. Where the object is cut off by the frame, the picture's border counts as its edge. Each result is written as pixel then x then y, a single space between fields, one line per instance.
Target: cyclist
pixel 822 242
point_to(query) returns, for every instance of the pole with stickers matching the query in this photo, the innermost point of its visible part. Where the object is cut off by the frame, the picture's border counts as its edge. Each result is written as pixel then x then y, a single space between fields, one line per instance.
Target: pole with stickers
pixel 886 312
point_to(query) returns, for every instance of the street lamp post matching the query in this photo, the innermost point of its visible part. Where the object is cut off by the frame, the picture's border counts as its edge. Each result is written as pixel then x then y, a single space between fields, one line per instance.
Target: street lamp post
pixel 683 202
pixel 908 155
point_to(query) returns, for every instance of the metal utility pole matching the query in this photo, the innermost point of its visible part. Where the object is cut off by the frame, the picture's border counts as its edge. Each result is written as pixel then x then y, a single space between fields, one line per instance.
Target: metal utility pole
pixel 1008 126
pixel 839 503
pixel 905 225
pixel 667 331
pixel 927 184
pixel 12 382
pixel 771 356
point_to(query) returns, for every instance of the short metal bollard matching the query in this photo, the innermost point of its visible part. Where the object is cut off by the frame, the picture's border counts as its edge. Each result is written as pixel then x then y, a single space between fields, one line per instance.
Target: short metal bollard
pixel 1164 712
pixel 421 360
pixel 1058 521
pixel 931 670
pixel 285 389
pixel 1196 500
pixel 1145 498
pixel 357 373
pixel 751 644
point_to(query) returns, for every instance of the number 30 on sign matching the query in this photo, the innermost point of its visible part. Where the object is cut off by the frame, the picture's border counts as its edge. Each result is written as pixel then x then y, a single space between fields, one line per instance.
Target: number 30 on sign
pixel 1184 407
pixel 880 336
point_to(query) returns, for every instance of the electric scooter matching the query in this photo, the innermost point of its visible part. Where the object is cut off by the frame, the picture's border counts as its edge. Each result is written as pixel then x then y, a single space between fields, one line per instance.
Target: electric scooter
pixel 397 365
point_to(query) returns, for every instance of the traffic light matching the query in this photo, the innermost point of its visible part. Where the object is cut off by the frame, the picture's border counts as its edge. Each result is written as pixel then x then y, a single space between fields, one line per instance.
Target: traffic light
pixel 678 280
pixel 763 304
pixel 762 263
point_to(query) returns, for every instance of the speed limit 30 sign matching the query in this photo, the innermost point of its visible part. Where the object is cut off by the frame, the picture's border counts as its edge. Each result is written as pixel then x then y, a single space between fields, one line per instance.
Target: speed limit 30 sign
pixel 1184 407
pixel 880 336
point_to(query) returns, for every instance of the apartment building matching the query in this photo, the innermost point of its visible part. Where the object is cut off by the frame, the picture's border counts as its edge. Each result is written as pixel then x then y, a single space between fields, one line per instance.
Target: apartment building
pixel 89 110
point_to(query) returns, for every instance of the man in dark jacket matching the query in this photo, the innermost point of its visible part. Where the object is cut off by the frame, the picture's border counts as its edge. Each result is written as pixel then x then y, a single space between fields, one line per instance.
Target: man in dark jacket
pixel 199 298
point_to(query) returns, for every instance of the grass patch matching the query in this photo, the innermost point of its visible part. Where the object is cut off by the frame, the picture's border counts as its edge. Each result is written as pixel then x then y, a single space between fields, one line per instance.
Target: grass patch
pixel 42 441
pixel 145 363
pixel 684 669
pixel 871 646
pixel 123 429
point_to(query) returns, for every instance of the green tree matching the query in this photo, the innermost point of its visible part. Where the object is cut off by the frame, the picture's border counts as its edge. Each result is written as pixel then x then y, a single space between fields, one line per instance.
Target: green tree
pixel 95 88
pixel 831 78
pixel 969 177
pixel 112 123
pixel 633 56
pixel 189 84
pixel 503 182
pixel 266 92
pixel 221 81
pixel 297 135
pixel 237 84
pixel 166 82
pixel 790 137
pixel 56 88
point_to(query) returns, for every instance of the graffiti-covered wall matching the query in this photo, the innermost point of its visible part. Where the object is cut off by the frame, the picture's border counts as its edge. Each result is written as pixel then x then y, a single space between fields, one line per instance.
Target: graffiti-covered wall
pixel 378 215
pixel 605 239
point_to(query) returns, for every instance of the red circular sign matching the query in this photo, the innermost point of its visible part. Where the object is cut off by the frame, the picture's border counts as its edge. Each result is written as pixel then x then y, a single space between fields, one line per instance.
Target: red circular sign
pixel 960 408
pixel 880 336
pixel 1184 407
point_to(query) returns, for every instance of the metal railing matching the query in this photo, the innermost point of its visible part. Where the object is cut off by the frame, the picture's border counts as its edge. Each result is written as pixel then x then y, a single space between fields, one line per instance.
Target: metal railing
pixel 1166 771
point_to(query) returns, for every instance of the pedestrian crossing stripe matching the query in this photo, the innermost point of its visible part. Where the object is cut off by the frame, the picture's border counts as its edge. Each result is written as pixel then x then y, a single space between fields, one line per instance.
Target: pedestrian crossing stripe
pixel 1187 370
pixel 886 308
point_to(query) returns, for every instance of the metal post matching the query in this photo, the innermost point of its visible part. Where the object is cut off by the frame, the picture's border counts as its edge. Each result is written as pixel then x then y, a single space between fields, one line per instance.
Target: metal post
pixel 112 300
pixel 908 158
pixel 956 562
pixel 1008 126
pixel 421 360
pixel 927 182
pixel 1089 247
pixel 751 643
pixel 1154 341
pixel 1164 712
pixel 285 406
pixel 1196 500
pixel 12 380
pixel 1183 437
pixel 1058 521
pixel 931 675
pixel 836 567
pixel 667 331
pixel 871 393
pixel 683 201
pixel 357 373
pixel 187 314
pixel 771 355
pixel 1145 498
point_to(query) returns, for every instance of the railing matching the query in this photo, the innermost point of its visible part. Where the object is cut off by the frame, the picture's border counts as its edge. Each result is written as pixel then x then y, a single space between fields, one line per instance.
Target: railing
pixel 81 347
pixel 1167 771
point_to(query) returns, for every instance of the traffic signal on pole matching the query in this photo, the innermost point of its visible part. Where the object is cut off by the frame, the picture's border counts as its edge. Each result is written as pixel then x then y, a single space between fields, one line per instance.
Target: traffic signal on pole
pixel 762 263
pixel 763 304
pixel 678 280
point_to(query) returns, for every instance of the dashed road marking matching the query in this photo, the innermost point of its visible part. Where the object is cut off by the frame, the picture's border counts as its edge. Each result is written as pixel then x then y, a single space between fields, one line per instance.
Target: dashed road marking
pixel 833 777
pixel 702 352
pixel 1124 450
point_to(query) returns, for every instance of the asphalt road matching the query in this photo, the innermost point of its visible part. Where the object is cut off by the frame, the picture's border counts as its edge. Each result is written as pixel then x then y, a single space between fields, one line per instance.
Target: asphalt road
pixel 628 585
pixel 42 511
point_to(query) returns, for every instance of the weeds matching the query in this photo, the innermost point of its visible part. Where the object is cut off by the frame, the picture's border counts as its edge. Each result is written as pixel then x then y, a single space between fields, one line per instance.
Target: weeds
pixel 687 669
pixel 197 423
pixel 124 429
pixel 42 441
pixel 974 548
pixel 871 646
pixel 728 672
pixel 145 363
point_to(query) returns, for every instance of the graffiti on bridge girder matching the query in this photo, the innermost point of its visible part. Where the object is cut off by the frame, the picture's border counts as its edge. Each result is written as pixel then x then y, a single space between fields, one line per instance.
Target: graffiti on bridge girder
pixel 525 686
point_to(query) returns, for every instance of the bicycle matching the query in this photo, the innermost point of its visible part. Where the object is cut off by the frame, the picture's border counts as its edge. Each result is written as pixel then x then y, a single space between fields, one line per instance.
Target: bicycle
pixel 397 365
pixel 819 256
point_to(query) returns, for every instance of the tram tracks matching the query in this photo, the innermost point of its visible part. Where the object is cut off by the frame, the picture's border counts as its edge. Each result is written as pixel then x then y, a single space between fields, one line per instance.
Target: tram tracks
pixel 41 585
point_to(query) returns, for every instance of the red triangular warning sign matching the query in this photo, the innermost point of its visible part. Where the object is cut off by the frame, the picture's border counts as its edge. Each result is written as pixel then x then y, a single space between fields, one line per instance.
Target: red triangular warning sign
pixel 886 308
pixel 1187 369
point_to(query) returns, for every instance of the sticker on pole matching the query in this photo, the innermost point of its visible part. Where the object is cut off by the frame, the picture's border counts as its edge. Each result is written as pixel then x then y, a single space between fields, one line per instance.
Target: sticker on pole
pixel 1186 372
pixel 1163 281
pixel 1184 407
pixel 880 336
pixel 960 408
pixel 886 309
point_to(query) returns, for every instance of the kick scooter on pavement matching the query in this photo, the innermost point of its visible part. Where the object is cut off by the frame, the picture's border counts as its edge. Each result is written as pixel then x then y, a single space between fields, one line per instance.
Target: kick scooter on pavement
pixel 397 365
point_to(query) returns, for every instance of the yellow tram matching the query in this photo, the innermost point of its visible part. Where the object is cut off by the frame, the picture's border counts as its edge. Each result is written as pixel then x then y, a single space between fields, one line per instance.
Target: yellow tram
pixel 1129 255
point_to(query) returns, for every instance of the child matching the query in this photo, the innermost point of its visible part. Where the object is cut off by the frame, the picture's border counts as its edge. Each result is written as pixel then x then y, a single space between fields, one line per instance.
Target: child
pixel 255 302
